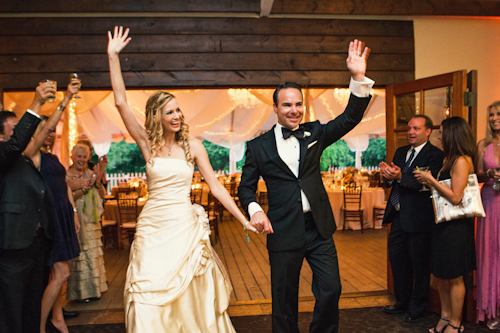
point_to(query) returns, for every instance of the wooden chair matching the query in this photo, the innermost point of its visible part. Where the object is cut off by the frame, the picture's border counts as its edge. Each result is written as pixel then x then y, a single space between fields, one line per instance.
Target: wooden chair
pixel 213 211
pixel 378 212
pixel 196 194
pixel 127 207
pixel 109 230
pixel 352 205
pixel 232 188
pixel 124 190
pixel 375 179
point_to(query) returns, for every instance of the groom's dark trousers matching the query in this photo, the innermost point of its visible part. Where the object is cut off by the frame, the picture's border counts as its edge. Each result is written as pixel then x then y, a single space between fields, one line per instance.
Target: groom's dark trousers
pixel 298 235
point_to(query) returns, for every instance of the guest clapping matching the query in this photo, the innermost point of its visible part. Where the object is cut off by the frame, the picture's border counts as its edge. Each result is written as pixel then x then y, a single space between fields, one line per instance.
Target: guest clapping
pixel 410 212
pixel 488 228
pixel 453 248
pixel 88 276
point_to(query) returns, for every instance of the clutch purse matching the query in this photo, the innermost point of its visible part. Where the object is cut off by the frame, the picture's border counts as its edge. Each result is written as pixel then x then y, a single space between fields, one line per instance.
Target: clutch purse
pixel 470 205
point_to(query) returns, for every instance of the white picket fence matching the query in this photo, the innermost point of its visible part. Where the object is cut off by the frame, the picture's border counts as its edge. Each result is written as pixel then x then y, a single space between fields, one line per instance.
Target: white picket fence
pixel 116 178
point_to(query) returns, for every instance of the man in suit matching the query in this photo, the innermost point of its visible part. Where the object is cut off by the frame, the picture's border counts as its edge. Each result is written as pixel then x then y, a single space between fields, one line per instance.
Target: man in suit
pixel 300 222
pixel 411 213
pixel 25 221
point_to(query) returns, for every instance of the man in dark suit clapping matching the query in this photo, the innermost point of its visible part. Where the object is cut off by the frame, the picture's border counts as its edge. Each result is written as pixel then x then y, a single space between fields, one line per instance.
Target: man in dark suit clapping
pixel 25 221
pixel 300 221
pixel 411 213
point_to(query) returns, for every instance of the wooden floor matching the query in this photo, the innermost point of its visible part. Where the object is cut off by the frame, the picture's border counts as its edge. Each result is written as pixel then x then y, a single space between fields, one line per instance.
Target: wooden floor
pixel 362 261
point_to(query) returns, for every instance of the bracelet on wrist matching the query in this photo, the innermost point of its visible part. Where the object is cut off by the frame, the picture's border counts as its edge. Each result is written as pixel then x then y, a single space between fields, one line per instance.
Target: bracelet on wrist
pixel 488 173
pixel 75 209
pixel 61 107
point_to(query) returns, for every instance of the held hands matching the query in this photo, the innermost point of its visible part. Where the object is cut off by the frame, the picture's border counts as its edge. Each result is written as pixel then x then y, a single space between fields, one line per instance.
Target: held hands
pixel 259 223
pixel 118 40
pixel 390 172
pixel 423 177
pixel 356 59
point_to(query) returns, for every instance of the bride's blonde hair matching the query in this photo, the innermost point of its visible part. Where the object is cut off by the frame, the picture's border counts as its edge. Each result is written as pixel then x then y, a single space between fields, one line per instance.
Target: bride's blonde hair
pixel 154 128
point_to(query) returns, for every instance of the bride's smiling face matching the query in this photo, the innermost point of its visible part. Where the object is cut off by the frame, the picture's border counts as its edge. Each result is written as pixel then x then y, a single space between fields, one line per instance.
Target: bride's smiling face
pixel 171 117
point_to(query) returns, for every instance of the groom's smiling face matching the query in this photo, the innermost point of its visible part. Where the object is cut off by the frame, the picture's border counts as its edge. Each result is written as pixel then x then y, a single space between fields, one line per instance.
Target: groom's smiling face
pixel 290 108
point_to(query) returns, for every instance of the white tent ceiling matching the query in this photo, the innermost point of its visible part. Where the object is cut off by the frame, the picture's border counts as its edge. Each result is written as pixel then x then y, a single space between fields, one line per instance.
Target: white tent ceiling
pixel 227 117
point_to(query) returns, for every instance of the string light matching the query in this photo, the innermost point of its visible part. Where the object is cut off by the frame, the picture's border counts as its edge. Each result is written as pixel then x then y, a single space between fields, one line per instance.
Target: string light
pixel 243 98
pixel 327 106
pixel 342 95
pixel 73 125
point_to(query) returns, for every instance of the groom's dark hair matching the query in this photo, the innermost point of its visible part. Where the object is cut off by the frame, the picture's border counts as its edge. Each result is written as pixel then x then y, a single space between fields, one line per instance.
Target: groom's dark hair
pixel 285 85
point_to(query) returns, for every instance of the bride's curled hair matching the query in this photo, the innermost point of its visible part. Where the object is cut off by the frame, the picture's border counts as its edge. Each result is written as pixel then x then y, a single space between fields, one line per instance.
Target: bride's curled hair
pixel 154 128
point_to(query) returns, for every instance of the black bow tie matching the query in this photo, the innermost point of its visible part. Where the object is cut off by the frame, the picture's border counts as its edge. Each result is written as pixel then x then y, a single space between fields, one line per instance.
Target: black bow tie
pixel 298 133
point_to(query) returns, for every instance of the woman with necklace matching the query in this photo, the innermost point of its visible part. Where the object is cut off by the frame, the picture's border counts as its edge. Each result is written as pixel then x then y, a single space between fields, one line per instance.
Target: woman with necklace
pixel 87 279
pixel 488 228
pixel 175 281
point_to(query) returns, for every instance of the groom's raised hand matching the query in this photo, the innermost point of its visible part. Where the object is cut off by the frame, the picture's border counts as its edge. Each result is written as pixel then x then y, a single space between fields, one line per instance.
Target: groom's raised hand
pixel 356 59
pixel 261 223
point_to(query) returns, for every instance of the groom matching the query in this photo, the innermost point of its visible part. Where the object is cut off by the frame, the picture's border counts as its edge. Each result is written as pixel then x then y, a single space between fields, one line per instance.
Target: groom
pixel 300 221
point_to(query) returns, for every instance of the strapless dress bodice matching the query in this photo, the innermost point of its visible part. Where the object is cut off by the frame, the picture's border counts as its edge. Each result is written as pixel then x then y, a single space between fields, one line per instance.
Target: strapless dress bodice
pixel 169 180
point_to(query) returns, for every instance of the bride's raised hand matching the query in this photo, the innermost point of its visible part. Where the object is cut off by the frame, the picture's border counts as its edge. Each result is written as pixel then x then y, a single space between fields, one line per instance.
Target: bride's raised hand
pixel 118 40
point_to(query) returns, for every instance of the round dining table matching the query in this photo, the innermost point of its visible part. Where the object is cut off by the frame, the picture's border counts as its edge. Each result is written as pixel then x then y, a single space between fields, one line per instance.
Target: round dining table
pixel 111 211
pixel 369 198
pixel 142 191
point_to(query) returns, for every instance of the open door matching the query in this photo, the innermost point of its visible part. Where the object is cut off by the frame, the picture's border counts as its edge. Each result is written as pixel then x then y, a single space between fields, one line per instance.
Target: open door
pixel 438 97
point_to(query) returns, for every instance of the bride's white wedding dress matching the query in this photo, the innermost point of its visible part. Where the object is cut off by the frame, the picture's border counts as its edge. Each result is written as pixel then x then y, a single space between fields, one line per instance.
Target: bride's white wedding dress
pixel 175 281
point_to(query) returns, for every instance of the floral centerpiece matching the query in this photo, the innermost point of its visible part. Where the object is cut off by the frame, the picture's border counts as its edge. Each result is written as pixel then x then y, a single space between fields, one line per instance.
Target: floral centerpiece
pixel 349 176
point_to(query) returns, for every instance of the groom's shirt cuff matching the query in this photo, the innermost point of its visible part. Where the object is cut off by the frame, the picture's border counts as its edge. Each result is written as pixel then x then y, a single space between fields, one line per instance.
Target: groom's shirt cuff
pixel 361 89
pixel 253 208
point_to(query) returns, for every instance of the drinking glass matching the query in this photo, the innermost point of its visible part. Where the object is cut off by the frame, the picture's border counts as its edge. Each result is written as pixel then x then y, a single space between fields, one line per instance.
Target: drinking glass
pixel 50 99
pixel 74 77
pixel 424 188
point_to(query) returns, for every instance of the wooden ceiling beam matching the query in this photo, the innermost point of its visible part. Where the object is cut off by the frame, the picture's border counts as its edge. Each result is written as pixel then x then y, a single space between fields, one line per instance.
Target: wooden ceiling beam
pixel 387 7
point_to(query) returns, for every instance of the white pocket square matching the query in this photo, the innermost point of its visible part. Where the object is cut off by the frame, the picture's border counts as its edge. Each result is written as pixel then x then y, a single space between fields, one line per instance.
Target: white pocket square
pixel 311 144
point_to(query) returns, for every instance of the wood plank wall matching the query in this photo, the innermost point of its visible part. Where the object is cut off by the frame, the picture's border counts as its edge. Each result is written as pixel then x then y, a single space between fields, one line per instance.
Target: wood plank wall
pixel 136 6
pixel 201 51
pixel 388 7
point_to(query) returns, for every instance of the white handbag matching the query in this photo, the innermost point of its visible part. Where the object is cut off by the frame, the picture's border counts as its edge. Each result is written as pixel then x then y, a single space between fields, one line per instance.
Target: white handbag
pixel 470 205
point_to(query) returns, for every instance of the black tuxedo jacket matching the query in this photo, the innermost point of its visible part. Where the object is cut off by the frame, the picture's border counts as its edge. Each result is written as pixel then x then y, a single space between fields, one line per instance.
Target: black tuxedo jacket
pixel 25 200
pixel 283 187
pixel 416 211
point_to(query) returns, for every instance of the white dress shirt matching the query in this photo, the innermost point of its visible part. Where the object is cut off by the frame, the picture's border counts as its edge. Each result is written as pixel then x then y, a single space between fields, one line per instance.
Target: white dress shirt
pixel 33 113
pixel 289 149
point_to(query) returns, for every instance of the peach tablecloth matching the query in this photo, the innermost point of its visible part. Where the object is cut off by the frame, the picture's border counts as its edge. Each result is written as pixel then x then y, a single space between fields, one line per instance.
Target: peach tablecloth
pixel 369 198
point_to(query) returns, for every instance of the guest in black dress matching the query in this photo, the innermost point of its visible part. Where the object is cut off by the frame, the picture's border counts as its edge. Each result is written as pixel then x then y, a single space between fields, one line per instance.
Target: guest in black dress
pixel 453 248
pixel 65 243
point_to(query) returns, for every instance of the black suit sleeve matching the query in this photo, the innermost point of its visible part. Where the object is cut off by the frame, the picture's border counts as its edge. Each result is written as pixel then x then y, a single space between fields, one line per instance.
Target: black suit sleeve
pixel 10 150
pixel 249 179
pixel 344 123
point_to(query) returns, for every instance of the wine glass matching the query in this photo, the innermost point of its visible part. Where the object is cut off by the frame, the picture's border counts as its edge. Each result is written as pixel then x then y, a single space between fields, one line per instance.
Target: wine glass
pixel 74 77
pixel 425 168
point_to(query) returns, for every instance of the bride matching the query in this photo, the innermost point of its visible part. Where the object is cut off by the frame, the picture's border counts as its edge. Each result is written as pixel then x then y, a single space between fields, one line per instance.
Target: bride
pixel 175 281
